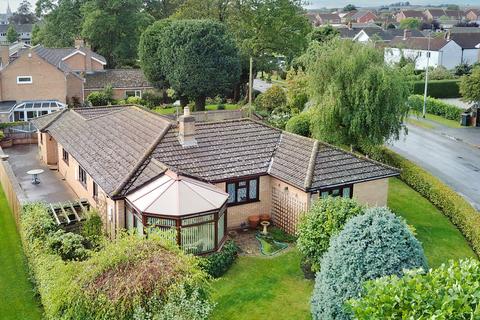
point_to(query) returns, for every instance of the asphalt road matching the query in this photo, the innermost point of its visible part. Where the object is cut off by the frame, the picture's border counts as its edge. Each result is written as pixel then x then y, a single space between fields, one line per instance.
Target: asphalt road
pixel 454 162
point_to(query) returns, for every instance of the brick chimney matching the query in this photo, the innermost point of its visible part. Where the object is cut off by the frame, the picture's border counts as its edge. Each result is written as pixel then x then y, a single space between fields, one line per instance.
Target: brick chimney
pixel 186 129
pixel 447 35
pixel 407 34
pixel 79 43
pixel 4 55
pixel 88 59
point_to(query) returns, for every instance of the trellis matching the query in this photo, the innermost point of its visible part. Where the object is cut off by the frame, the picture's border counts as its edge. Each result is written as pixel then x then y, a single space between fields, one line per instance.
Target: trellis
pixel 68 214
pixel 286 210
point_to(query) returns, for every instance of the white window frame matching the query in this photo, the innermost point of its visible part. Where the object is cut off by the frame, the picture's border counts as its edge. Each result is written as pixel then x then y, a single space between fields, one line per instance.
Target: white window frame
pixel 24 82
pixel 138 93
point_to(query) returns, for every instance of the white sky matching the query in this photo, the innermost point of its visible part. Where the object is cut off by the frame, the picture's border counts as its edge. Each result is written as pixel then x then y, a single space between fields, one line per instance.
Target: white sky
pixel 313 3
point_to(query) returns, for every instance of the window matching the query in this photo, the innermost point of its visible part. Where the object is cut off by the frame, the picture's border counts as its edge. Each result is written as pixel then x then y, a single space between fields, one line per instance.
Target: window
pixel 242 191
pixel 343 191
pixel 95 191
pixel 82 176
pixel 133 93
pixel 65 156
pixel 24 79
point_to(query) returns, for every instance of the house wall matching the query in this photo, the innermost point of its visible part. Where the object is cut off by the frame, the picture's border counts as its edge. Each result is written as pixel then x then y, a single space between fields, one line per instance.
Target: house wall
pixel 76 62
pixel 74 88
pixel 48 83
pixel 451 55
pixel 47 147
pixel 118 94
pixel 372 193
pixel 471 56
pixel 393 55
pixel 96 66
pixel 362 37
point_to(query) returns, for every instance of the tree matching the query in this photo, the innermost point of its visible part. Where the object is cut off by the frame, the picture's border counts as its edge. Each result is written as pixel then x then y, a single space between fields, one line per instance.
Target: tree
pixel 272 98
pixel 358 100
pixel 410 23
pixel 370 246
pixel 470 86
pixel 297 84
pixel 204 9
pixel 12 34
pixel 349 7
pixel 162 9
pixel 447 292
pixel 113 28
pixel 299 124
pixel 322 34
pixel 23 15
pixel 199 59
pixel 325 219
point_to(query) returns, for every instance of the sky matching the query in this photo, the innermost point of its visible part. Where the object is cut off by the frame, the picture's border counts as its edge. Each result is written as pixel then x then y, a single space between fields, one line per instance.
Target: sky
pixel 313 3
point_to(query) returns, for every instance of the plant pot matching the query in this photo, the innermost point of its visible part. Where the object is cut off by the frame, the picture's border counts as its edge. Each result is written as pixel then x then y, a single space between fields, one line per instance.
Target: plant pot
pixel 253 221
pixel 265 217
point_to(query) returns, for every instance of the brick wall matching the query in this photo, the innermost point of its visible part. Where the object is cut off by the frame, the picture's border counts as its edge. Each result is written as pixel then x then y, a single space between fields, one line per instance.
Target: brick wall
pixel 372 193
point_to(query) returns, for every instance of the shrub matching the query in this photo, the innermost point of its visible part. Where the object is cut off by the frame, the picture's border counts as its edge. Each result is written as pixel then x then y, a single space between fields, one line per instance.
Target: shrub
pixel 463 69
pixel 152 98
pixel 438 88
pixel 271 99
pixel 279 235
pixel 370 246
pixel 91 229
pixel 68 245
pixel 36 223
pixel 134 100
pixel 98 98
pixel 218 263
pixel 450 203
pixel 299 124
pixel 221 107
pixel 325 219
pixel 435 106
pixel 297 95
pixel 448 292
pixel 440 73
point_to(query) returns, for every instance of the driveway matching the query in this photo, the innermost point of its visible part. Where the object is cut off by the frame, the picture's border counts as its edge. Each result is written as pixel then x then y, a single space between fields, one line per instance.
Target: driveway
pixel 454 162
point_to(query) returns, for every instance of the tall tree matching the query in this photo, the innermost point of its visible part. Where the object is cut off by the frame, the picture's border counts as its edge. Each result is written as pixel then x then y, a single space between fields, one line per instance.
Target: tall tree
pixel 410 23
pixel 24 14
pixel 113 28
pixel 359 101
pixel 162 9
pixel 198 57
pixel 349 7
pixel 12 34
pixel 470 86
pixel 204 9
pixel 323 34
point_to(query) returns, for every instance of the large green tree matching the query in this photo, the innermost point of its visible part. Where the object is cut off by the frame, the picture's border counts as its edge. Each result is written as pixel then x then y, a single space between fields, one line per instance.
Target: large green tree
pixel 410 23
pixel 204 9
pixel 161 9
pixel 358 100
pixel 24 14
pixel 470 86
pixel 12 34
pixel 113 28
pixel 323 34
pixel 198 58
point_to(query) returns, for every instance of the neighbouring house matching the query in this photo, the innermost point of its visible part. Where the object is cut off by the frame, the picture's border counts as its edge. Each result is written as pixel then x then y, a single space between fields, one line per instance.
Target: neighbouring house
pixel 364 17
pixel 313 18
pixel 125 82
pixel 473 15
pixel 439 14
pixel 351 30
pixel 41 80
pixel 141 170
pixel 470 44
pixel 346 17
pixel 375 34
pixel 404 14
pixel 328 18
pixel 443 52
pixel 5 17
pixel 24 32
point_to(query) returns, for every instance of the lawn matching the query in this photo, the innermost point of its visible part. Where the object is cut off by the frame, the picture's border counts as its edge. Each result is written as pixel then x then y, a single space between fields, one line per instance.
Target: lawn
pixel 441 240
pixel 17 300
pixel 209 107
pixel 263 288
pixel 446 122
pixel 420 123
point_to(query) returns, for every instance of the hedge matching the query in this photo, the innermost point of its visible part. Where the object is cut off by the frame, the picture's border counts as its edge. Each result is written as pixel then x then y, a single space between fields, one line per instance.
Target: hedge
pixel 218 263
pixel 450 203
pixel 435 106
pixel 438 88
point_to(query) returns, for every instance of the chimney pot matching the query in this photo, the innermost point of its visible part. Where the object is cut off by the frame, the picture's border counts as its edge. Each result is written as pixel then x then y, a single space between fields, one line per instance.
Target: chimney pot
pixel 406 34
pixel 186 129
pixel 186 111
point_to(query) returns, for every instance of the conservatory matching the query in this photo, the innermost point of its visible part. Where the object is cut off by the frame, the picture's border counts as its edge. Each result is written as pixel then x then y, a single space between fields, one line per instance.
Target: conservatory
pixel 195 209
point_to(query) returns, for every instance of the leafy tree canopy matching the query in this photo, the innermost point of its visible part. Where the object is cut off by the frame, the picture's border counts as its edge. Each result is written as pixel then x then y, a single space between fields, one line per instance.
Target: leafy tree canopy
pixel 204 9
pixel 323 34
pixel 470 86
pixel 12 34
pixel 410 23
pixel 24 14
pixel 370 246
pixel 349 7
pixel 162 9
pixel 358 100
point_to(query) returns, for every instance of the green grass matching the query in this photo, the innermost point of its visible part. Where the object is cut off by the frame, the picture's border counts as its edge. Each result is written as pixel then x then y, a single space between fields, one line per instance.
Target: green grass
pixel 263 288
pixel 443 121
pixel 420 123
pixel 441 240
pixel 209 107
pixel 17 300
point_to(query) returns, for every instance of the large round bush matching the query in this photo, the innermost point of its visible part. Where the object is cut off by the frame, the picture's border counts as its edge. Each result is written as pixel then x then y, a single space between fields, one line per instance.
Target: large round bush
pixel 370 246
pixel 325 219
pixel 299 124
pixel 271 99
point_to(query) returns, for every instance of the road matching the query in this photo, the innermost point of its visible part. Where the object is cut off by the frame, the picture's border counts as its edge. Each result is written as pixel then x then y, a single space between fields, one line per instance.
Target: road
pixel 455 163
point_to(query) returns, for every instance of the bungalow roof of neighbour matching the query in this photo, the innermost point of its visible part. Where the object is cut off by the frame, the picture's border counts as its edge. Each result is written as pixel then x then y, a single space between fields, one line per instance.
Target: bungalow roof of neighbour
pixel 418 43
pixel 436 13
pixel 388 35
pixel 123 148
pixel 329 16
pixel 361 14
pixel 466 40
pixel 19 28
pixel 56 56
pixel 117 78
pixel 413 14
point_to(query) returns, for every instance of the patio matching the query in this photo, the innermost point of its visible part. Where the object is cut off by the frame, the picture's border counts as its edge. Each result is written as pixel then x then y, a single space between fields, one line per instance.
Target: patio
pixel 51 189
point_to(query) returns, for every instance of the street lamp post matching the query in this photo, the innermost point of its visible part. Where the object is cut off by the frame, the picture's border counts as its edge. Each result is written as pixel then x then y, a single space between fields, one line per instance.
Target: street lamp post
pixel 426 77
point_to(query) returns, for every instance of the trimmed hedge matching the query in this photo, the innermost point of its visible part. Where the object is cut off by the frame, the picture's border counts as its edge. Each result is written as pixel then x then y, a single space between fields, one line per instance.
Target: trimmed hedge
pixel 435 106
pixel 438 88
pixel 218 263
pixel 452 205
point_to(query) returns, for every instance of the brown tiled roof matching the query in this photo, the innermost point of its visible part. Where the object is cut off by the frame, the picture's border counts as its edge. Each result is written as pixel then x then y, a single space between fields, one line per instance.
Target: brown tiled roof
pixel 123 148
pixel 413 14
pixel 466 40
pixel 54 56
pixel 117 78
pixel 419 43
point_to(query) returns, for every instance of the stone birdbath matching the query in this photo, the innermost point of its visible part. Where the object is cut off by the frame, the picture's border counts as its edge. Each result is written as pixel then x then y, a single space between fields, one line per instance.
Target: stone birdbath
pixel 264 224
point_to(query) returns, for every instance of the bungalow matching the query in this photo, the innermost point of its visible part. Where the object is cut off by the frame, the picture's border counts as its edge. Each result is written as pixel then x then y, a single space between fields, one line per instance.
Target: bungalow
pixel 473 15
pixel 140 170
pixel 328 18
pixel 364 17
pixel 443 52
pixel 404 14
pixel 376 34
pixel 470 44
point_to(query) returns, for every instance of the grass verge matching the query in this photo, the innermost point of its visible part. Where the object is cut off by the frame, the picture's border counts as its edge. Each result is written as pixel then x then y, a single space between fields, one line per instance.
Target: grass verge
pixel 441 240
pixel 17 299
pixel 263 288
pixel 443 121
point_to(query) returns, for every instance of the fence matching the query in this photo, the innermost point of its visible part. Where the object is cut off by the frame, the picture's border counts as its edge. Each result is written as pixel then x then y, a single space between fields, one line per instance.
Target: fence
pixel 20 134
pixel 286 210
